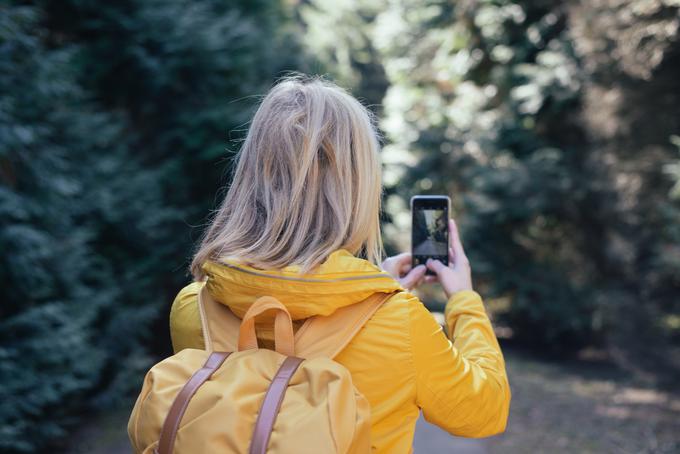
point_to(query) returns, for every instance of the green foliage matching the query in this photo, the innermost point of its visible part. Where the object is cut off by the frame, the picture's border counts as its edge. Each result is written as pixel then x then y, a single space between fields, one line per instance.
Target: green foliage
pixel 113 117
pixel 338 35
pixel 547 123
pixel 484 106
pixel 64 303
pixel 666 258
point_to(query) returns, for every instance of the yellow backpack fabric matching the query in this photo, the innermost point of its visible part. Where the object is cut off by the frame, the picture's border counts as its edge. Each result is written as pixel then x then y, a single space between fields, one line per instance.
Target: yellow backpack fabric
pixel 213 401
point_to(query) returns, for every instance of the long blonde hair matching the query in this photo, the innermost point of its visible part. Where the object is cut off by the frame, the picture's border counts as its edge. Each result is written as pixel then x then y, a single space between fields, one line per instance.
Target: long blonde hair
pixel 307 182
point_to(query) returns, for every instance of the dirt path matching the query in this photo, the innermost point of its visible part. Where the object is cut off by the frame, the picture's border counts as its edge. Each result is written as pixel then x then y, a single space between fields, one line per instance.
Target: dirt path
pixel 556 408
pixel 107 435
pixel 432 439
pixel 585 407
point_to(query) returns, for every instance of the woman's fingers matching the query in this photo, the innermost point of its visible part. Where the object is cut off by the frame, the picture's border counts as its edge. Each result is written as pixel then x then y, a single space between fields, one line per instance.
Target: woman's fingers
pixel 413 277
pixel 403 262
pixel 397 265
pixel 420 281
pixel 453 238
pixel 459 256
pixel 405 268
pixel 428 279
pixel 435 265
pixel 400 266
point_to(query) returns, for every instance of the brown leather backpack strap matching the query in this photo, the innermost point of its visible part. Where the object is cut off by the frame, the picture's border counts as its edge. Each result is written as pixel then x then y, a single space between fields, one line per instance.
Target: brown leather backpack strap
pixel 179 406
pixel 272 404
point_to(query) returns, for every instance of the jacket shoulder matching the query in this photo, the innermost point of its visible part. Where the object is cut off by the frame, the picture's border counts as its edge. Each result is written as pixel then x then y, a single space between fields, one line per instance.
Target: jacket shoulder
pixel 401 299
pixel 185 319
pixel 394 315
pixel 189 291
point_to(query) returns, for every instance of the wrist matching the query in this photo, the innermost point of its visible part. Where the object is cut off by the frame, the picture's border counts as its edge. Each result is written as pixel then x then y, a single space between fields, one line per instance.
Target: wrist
pixel 453 290
pixel 458 291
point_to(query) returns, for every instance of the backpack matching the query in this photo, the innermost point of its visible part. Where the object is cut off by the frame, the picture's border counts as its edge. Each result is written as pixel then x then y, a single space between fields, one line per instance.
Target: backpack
pixel 233 397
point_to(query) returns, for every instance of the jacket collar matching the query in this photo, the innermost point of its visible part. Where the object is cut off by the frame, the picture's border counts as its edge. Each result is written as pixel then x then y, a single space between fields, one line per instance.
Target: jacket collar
pixel 341 280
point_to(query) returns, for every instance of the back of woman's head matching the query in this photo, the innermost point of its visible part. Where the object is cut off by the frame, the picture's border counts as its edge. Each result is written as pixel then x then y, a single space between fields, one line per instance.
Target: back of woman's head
pixel 307 182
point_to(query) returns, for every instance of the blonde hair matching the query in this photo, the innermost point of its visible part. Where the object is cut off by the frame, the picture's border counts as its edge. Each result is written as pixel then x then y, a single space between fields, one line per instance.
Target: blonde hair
pixel 307 182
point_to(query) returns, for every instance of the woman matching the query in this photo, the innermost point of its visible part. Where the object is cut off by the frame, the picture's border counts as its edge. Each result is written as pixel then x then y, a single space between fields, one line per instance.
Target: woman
pixel 303 206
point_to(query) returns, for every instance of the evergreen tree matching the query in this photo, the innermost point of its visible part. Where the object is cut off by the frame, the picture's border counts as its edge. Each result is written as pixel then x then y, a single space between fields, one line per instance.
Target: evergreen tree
pixel 548 124
pixel 67 181
pixel 114 125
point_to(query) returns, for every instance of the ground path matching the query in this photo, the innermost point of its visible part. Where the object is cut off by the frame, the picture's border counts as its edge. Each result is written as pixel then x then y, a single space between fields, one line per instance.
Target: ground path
pixel 107 435
pixel 431 439
pixel 563 407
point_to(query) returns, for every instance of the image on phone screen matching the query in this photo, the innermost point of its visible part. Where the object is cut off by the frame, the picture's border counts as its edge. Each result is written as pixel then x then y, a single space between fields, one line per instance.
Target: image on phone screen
pixel 430 233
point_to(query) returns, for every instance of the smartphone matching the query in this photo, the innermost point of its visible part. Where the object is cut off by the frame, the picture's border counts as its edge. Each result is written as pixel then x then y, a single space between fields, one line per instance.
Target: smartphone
pixel 430 229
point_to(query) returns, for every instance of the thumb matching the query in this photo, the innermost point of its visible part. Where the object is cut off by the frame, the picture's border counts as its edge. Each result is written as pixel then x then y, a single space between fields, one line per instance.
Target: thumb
pixel 412 278
pixel 435 265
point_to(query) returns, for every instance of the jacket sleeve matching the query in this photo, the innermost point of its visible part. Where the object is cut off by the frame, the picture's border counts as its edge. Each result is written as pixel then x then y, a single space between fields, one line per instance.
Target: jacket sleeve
pixel 185 320
pixel 461 382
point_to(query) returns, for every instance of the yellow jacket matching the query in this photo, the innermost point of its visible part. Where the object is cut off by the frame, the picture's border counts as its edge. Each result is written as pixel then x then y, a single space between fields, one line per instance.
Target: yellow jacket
pixel 401 361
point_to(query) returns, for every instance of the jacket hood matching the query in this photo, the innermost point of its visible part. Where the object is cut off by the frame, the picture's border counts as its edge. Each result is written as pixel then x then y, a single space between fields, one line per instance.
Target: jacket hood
pixel 341 280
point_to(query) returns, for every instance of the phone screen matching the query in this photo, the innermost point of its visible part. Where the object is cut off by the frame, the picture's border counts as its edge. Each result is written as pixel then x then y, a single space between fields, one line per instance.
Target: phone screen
pixel 430 232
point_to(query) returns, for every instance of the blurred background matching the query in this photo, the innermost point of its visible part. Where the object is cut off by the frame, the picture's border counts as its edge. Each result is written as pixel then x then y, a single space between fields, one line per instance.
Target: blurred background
pixel 553 126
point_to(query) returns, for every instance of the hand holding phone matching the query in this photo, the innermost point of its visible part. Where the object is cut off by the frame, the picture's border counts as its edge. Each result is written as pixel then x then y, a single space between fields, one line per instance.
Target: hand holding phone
pixel 448 264
pixel 456 276
pixel 399 267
